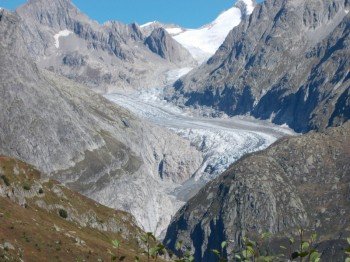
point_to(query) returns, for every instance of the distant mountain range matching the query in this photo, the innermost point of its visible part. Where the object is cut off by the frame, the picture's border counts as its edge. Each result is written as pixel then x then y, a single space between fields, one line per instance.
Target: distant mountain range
pixel 107 57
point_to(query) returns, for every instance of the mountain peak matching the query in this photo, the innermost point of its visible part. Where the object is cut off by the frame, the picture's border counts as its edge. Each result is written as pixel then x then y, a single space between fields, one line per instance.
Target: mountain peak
pixel 246 6
pixel 56 13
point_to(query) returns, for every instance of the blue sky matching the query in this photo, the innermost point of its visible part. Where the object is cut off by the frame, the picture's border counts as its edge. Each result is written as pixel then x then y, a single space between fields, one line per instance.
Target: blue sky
pixel 187 13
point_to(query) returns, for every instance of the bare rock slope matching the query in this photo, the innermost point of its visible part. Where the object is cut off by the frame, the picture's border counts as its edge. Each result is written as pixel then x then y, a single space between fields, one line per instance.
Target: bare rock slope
pixel 162 43
pixel 288 61
pixel 105 57
pixel 85 141
pixel 299 181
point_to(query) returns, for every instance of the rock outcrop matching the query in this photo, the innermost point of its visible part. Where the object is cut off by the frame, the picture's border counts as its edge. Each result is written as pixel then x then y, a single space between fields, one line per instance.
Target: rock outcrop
pixel 288 61
pixel 299 181
pixel 161 43
pixel 83 140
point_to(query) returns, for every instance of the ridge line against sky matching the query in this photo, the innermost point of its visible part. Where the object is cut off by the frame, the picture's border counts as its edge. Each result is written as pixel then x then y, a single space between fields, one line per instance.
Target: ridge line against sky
pixel 186 13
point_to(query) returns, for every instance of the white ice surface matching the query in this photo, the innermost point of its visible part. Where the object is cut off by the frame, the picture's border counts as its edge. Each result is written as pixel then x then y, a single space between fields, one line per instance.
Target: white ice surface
pixel 203 42
pixel 174 30
pixel 222 141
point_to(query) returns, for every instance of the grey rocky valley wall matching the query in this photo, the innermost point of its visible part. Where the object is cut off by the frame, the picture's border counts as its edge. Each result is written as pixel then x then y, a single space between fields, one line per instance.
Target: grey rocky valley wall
pixel 85 141
pixel 288 61
pixel 299 181
pixel 106 57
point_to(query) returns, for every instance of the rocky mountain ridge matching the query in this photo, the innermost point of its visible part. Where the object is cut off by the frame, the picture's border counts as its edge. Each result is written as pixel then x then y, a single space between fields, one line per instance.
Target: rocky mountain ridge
pixel 204 41
pixel 288 62
pixel 297 182
pixel 104 57
pixel 161 43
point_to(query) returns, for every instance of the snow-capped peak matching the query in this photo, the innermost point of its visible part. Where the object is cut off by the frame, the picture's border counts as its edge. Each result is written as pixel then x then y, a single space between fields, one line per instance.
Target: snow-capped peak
pixel 203 42
pixel 246 7
pixel 249 5
pixel 148 24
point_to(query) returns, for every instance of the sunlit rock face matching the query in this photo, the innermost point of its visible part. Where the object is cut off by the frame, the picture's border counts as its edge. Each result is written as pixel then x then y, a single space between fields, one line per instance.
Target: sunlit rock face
pixel 288 62
pixel 297 182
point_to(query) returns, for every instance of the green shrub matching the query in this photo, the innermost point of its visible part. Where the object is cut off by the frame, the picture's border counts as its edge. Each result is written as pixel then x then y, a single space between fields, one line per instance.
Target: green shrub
pixel 41 191
pixel 63 213
pixel 26 187
pixel 6 180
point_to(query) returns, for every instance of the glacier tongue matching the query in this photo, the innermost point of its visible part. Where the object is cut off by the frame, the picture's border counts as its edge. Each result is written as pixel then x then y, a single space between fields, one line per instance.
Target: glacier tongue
pixel 222 141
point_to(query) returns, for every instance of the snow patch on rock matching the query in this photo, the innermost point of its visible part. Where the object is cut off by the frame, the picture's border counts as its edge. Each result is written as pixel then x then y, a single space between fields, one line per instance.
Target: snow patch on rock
pixel 63 33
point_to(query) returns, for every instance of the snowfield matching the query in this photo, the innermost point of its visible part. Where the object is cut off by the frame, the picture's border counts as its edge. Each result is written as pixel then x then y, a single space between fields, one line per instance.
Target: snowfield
pixel 203 42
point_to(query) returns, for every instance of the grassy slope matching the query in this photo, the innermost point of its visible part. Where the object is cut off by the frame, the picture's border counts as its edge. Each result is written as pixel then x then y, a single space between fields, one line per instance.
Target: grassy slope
pixel 40 234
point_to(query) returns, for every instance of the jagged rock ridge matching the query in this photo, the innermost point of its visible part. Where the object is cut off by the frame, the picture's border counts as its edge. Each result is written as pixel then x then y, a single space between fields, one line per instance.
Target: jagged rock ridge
pixel 288 62
pixel 105 57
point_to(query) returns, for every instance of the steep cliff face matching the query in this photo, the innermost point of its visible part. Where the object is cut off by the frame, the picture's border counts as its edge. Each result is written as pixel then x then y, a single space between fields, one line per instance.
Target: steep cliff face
pixel 288 62
pixel 85 141
pixel 104 57
pixel 161 43
pixel 299 181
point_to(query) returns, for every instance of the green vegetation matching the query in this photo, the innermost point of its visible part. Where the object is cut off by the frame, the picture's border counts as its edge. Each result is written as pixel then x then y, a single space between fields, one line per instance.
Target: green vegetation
pixel 347 250
pixel 6 180
pixel 185 256
pixel 257 250
pixel 116 257
pixel 26 187
pixel 63 213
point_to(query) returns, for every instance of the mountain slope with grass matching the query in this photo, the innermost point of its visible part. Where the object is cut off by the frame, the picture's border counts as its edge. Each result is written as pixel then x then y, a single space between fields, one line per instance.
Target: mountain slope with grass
pixel 42 220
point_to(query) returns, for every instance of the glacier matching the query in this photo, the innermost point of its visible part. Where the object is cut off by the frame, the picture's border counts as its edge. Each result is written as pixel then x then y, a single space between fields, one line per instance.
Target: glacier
pixel 222 141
